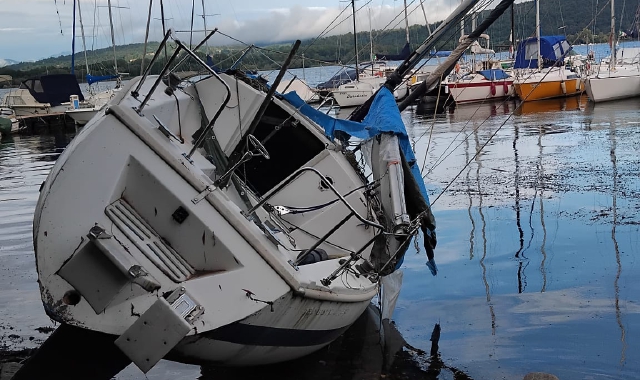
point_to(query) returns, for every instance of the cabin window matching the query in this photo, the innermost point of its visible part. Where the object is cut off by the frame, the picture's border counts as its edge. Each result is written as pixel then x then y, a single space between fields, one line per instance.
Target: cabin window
pixel 37 86
pixel 291 146
pixel 531 51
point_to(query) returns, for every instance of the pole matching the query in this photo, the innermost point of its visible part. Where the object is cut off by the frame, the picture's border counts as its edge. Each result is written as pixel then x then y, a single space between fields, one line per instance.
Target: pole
pixel 538 33
pixel 612 61
pixel 355 38
pixel 73 40
pixel 204 23
pixel 513 32
pixel 84 44
pixel 425 17
pixel 164 28
pixel 113 39
pixel 146 38
pixel 406 21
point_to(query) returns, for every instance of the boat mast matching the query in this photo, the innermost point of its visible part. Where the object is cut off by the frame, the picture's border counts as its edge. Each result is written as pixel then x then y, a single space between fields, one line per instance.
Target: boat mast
pixel 355 39
pixel 425 17
pixel 113 39
pixel 164 28
pixel 372 57
pixel 73 40
pixel 513 33
pixel 84 44
pixel 204 23
pixel 146 38
pixel 538 33
pixel 406 21
pixel 612 61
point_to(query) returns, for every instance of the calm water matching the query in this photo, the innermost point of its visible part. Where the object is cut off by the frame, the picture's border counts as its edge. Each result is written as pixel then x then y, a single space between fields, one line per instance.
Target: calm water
pixel 538 214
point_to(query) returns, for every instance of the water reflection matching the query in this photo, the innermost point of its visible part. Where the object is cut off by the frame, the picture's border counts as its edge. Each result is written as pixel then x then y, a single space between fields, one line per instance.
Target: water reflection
pixel 478 162
pixel 543 244
pixel 370 349
pixel 520 252
pixel 614 222
pixel 573 103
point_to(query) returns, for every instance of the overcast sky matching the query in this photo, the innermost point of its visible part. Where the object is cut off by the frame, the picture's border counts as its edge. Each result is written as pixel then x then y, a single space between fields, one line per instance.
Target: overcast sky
pixel 35 29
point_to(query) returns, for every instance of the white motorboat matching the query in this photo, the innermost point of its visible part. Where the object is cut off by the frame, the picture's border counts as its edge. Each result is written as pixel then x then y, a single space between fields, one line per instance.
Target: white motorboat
pixel 218 223
pixel 44 95
pixel 9 123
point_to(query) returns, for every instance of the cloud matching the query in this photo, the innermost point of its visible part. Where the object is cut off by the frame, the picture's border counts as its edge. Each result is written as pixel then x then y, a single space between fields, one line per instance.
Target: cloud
pixel 34 29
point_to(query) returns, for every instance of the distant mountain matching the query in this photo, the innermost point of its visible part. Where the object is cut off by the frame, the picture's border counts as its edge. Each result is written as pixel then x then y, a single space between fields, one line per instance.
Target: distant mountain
pixel 7 62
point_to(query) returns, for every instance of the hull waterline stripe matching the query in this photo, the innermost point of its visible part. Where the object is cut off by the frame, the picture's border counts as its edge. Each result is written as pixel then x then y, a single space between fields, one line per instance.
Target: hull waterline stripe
pixel 251 335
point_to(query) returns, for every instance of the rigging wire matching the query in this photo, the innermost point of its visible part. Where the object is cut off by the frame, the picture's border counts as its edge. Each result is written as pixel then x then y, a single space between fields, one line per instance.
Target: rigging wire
pixel 58 13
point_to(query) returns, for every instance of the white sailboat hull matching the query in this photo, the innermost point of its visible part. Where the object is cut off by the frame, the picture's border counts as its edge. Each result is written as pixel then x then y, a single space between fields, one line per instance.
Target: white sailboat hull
pixel 83 115
pixel 619 84
pixel 156 239
pixel 357 93
pixel 478 90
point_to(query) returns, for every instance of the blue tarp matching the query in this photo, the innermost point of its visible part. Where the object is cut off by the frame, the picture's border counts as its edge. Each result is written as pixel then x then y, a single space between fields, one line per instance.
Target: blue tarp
pixel 553 49
pixel 93 79
pixel 383 117
pixel 494 74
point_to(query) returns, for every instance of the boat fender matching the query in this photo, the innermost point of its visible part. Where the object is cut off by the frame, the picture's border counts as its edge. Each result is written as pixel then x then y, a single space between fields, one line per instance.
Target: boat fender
pixel 314 256
pixel 505 87
pixel 563 86
pixel 493 88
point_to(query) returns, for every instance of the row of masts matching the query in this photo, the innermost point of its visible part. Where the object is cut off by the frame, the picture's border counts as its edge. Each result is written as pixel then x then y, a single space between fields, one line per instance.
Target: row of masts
pixel 113 40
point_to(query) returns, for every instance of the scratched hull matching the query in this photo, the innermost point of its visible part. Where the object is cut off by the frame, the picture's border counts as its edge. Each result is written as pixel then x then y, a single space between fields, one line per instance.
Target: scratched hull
pixel 293 328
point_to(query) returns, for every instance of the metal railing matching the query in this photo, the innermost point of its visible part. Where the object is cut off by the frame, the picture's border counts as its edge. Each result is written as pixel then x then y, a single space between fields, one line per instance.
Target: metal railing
pixel 182 47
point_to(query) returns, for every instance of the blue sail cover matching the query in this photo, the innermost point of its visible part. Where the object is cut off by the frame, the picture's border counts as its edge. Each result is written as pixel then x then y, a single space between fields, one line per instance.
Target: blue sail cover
pixel 494 74
pixel 383 117
pixel 100 78
pixel 553 49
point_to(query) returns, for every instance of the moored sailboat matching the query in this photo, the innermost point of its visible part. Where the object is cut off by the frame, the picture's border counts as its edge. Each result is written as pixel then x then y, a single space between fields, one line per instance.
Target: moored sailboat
pixel 540 67
pixel 616 79
pixel 484 80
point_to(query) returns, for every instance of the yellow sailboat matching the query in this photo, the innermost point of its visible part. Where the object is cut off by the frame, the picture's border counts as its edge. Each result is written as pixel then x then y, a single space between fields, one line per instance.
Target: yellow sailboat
pixel 540 72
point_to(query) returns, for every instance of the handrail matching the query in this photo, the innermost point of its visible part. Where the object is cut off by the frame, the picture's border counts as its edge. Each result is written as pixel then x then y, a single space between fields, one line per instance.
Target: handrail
pixel 181 46
pixel 324 180
pixel 136 91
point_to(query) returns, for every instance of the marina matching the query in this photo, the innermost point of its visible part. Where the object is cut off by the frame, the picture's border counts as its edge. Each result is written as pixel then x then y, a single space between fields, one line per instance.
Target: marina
pixel 474 218
pixel 536 251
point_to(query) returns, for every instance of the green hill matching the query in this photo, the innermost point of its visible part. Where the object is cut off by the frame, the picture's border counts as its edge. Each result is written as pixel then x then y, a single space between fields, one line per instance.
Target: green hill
pixel 578 19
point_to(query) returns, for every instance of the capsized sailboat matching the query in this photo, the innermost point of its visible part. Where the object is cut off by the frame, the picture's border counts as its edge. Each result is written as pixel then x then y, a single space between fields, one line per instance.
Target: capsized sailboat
pixel 223 224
